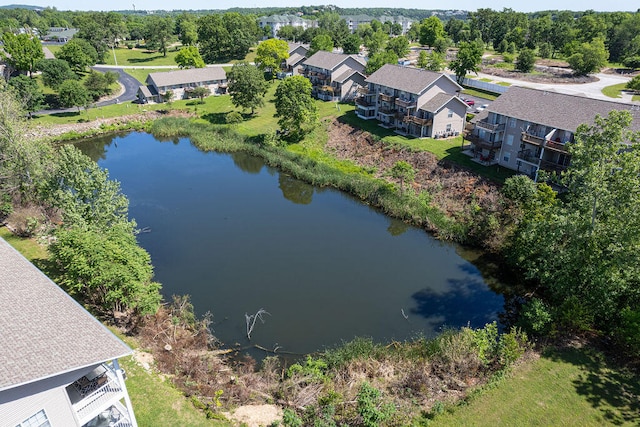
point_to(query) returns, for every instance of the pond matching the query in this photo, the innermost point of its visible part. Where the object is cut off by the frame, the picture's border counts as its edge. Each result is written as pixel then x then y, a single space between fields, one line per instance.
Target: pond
pixel 238 236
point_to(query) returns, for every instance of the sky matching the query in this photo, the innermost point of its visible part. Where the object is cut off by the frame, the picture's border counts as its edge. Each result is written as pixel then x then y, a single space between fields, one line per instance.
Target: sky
pixel 469 5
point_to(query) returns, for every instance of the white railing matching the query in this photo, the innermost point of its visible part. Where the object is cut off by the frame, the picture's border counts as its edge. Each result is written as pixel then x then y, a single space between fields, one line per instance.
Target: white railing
pixel 99 400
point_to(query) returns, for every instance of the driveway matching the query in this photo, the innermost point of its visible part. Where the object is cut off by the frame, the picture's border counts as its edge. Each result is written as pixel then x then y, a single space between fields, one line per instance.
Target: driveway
pixel 129 83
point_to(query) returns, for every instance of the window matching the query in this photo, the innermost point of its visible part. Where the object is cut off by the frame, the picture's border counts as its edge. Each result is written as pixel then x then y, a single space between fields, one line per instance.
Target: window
pixel 39 419
pixel 512 122
pixel 510 139
pixel 506 157
pixel 449 127
pixel 450 113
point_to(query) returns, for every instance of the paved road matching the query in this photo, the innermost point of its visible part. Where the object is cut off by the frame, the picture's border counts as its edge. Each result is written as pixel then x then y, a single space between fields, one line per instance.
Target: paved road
pixel 591 90
pixel 130 84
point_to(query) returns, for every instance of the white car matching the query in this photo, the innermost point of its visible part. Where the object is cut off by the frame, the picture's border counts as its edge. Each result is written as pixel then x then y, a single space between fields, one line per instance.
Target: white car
pixel 479 109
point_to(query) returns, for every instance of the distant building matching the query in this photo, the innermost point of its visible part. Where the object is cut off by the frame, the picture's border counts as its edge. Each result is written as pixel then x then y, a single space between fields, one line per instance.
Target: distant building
pixel 182 82
pixel 354 21
pixel 58 364
pixel 276 22
pixel 59 35
pixel 334 76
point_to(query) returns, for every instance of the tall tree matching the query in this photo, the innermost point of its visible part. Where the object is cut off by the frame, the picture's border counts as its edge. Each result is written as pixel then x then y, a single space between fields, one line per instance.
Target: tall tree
pixel 247 86
pixel 79 54
pixel 398 45
pixel 72 93
pixel 189 57
pixel 468 59
pixel 320 42
pixel 157 33
pixel 377 60
pixel 351 44
pixel 99 84
pixel 22 51
pixel 431 29
pixel 271 53
pixel 331 23
pixel 103 30
pixel 227 36
pixel 375 42
pixel 28 92
pixel 589 57
pixel 55 71
pixel 187 29
pixel 295 108
pixel 526 60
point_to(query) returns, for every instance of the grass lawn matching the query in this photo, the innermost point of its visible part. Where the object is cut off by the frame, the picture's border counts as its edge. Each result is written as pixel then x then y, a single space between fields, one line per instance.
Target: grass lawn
pixel 570 388
pixel 480 93
pixel 126 56
pixel 29 248
pixel 613 91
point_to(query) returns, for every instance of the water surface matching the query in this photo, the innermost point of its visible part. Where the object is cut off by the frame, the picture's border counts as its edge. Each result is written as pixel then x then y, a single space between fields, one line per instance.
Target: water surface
pixel 239 236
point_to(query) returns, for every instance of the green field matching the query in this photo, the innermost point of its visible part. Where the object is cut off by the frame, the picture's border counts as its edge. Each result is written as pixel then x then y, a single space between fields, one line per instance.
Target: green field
pixel 613 91
pixel 570 387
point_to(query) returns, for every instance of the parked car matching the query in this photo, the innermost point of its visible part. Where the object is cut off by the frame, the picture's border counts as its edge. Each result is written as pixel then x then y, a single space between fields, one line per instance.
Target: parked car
pixel 479 109
pixel 469 102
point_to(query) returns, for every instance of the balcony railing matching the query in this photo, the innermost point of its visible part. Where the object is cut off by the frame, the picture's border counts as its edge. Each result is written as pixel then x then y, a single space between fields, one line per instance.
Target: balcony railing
pixel 387 112
pixel 405 103
pixel 528 157
pixel 417 120
pixel 362 101
pixel 387 98
pixel 557 146
pixel 491 127
pixel 552 166
pixel 532 139
pixel 90 397
pixel 364 90
pixel 482 143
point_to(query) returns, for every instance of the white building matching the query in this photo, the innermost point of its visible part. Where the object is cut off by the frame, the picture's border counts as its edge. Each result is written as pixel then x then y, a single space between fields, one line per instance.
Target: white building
pixel 276 22
pixel 58 364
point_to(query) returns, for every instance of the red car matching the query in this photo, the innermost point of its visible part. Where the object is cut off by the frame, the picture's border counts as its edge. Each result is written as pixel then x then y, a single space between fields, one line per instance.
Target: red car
pixel 469 102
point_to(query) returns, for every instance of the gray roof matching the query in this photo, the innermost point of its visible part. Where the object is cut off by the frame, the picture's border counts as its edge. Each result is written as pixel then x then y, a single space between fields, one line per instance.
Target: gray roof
pixel 557 110
pixel 438 101
pixel 294 59
pixel 43 331
pixel 408 79
pixel 145 91
pixel 294 46
pixel 328 60
pixel 188 76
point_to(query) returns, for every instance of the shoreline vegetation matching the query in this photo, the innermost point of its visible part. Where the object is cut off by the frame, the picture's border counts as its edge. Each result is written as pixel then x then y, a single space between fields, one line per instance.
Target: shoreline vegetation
pixel 359 383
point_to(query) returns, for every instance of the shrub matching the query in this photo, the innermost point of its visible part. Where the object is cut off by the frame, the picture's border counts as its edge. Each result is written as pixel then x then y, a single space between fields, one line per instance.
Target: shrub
pixel 233 118
pixel 536 317
pixel 290 419
pixel 372 411
pixel 511 346
pixel 628 333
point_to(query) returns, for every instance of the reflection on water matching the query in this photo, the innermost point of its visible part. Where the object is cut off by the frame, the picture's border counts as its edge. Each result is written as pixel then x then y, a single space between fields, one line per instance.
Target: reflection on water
pixel 239 236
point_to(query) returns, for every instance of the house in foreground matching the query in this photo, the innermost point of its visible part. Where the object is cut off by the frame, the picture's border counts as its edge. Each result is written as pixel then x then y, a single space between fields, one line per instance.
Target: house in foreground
pixel 297 55
pixel 334 76
pixel 181 83
pixel 529 130
pixel 58 364
pixel 413 102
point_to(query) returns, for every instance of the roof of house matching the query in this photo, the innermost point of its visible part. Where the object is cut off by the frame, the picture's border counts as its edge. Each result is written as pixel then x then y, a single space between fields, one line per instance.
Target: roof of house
pixel 294 46
pixel 294 59
pixel 557 110
pixel 438 101
pixel 60 32
pixel 328 60
pixel 43 331
pixel 408 79
pixel 188 76
pixel 146 91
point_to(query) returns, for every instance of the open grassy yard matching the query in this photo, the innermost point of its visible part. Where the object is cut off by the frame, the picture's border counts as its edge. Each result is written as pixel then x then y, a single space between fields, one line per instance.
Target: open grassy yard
pixel 571 387
pixel 613 91
pixel 151 58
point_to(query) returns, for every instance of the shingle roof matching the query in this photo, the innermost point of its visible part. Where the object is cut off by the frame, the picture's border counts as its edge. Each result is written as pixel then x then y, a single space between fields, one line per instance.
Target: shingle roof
pixel 557 110
pixel 294 59
pixel 145 91
pixel 43 331
pixel 408 79
pixel 191 75
pixel 438 101
pixel 294 46
pixel 344 76
pixel 329 61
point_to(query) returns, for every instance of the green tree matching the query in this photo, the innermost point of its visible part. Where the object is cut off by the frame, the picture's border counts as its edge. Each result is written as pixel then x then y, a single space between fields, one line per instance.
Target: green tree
pixel 106 269
pixel 526 61
pixel 431 29
pixel 247 86
pixel 187 29
pixel 422 59
pixel 79 54
pixel 320 42
pixel 22 51
pixel 201 92
pixel 28 92
pixel 398 45
pixel 351 44
pixel 584 249
pixel 468 60
pixel 377 60
pixel 99 84
pixel 589 58
pixel 435 61
pixel 157 33
pixel 271 53
pixel 403 172
pixel 72 93
pixel 103 30
pixel 296 111
pixel 227 36
pixel 189 57
pixel 55 71
pixel 375 42
pixel 330 23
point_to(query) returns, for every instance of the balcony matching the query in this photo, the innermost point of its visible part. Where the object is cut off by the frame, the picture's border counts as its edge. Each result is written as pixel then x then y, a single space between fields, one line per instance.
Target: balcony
pixel 529 157
pixel 115 416
pixel 362 101
pixel 405 103
pixel 491 127
pixel 532 139
pixel 552 166
pixel 364 90
pixel 387 112
pixel 387 98
pixel 556 146
pixel 482 143
pixel 95 393
pixel 417 120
